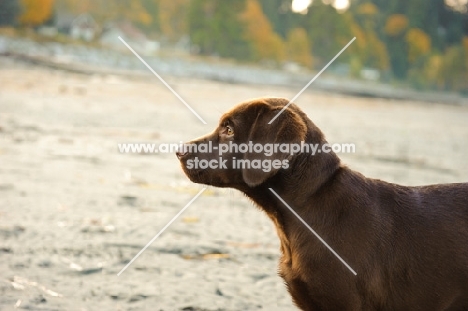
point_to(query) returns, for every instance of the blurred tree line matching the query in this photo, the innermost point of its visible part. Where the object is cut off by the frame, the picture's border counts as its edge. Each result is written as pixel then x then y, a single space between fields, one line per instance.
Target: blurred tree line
pixel 424 42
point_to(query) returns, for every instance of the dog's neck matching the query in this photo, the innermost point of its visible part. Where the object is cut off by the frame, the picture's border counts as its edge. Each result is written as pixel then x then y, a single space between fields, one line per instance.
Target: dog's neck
pixel 306 171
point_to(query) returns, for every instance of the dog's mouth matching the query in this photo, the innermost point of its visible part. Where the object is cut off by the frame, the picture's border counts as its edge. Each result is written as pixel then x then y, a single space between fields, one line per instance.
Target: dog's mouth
pixel 206 176
pixel 196 175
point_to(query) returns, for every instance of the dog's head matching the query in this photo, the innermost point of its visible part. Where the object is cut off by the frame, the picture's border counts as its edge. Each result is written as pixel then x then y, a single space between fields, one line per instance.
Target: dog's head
pixel 231 157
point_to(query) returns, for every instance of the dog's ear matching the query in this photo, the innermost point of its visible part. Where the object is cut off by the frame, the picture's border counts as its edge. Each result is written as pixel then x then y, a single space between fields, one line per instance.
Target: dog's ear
pixel 287 128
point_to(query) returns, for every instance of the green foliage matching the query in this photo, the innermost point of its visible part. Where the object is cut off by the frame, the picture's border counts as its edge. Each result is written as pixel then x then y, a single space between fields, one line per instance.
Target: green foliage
pixel 298 47
pixel 369 49
pixel 215 27
pixel 447 71
pixel 107 10
pixel 280 16
pixel 153 9
pixel 328 32
pixel 441 28
pixel 421 41
pixel 454 69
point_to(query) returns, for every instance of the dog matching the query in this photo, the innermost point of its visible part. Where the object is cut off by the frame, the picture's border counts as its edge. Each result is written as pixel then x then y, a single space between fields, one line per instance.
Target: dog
pixel 408 245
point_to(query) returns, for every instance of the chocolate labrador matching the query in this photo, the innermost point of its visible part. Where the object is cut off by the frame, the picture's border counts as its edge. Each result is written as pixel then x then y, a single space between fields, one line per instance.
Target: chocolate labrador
pixel 408 245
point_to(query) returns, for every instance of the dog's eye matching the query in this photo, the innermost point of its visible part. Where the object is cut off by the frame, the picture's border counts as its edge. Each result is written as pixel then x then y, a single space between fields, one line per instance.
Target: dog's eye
pixel 229 130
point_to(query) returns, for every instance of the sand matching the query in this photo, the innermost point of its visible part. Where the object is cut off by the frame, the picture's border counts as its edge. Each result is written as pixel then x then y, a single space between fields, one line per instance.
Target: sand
pixel 74 211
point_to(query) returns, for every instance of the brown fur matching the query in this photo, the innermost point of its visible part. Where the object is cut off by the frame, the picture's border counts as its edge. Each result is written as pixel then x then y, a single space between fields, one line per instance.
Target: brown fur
pixel 408 245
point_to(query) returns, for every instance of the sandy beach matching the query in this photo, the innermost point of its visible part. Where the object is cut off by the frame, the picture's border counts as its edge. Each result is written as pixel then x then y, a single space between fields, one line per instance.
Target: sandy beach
pixel 74 211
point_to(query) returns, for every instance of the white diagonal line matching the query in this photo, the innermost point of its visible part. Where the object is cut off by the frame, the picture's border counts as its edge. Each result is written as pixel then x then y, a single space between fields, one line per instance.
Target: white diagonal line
pixel 162 80
pixel 162 230
pixel 313 79
pixel 312 230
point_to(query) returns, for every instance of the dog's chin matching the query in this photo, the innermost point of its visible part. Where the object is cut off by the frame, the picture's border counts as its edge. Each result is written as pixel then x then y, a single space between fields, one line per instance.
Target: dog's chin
pixel 195 175
pixel 200 176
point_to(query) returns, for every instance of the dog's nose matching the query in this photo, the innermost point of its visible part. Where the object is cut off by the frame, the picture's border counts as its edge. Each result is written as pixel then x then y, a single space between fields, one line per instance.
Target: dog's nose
pixel 180 154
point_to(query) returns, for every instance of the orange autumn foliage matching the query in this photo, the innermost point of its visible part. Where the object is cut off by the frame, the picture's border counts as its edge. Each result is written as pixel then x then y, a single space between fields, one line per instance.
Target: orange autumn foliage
pixel 419 44
pixel 35 12
pixel 265 42
pixel 172 17
pixel 298 47
pixel 368 9
pixel 396 24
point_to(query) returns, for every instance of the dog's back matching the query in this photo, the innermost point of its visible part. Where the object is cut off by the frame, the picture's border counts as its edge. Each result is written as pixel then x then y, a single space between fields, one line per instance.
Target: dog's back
pixel 429 250
pixel 409 245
